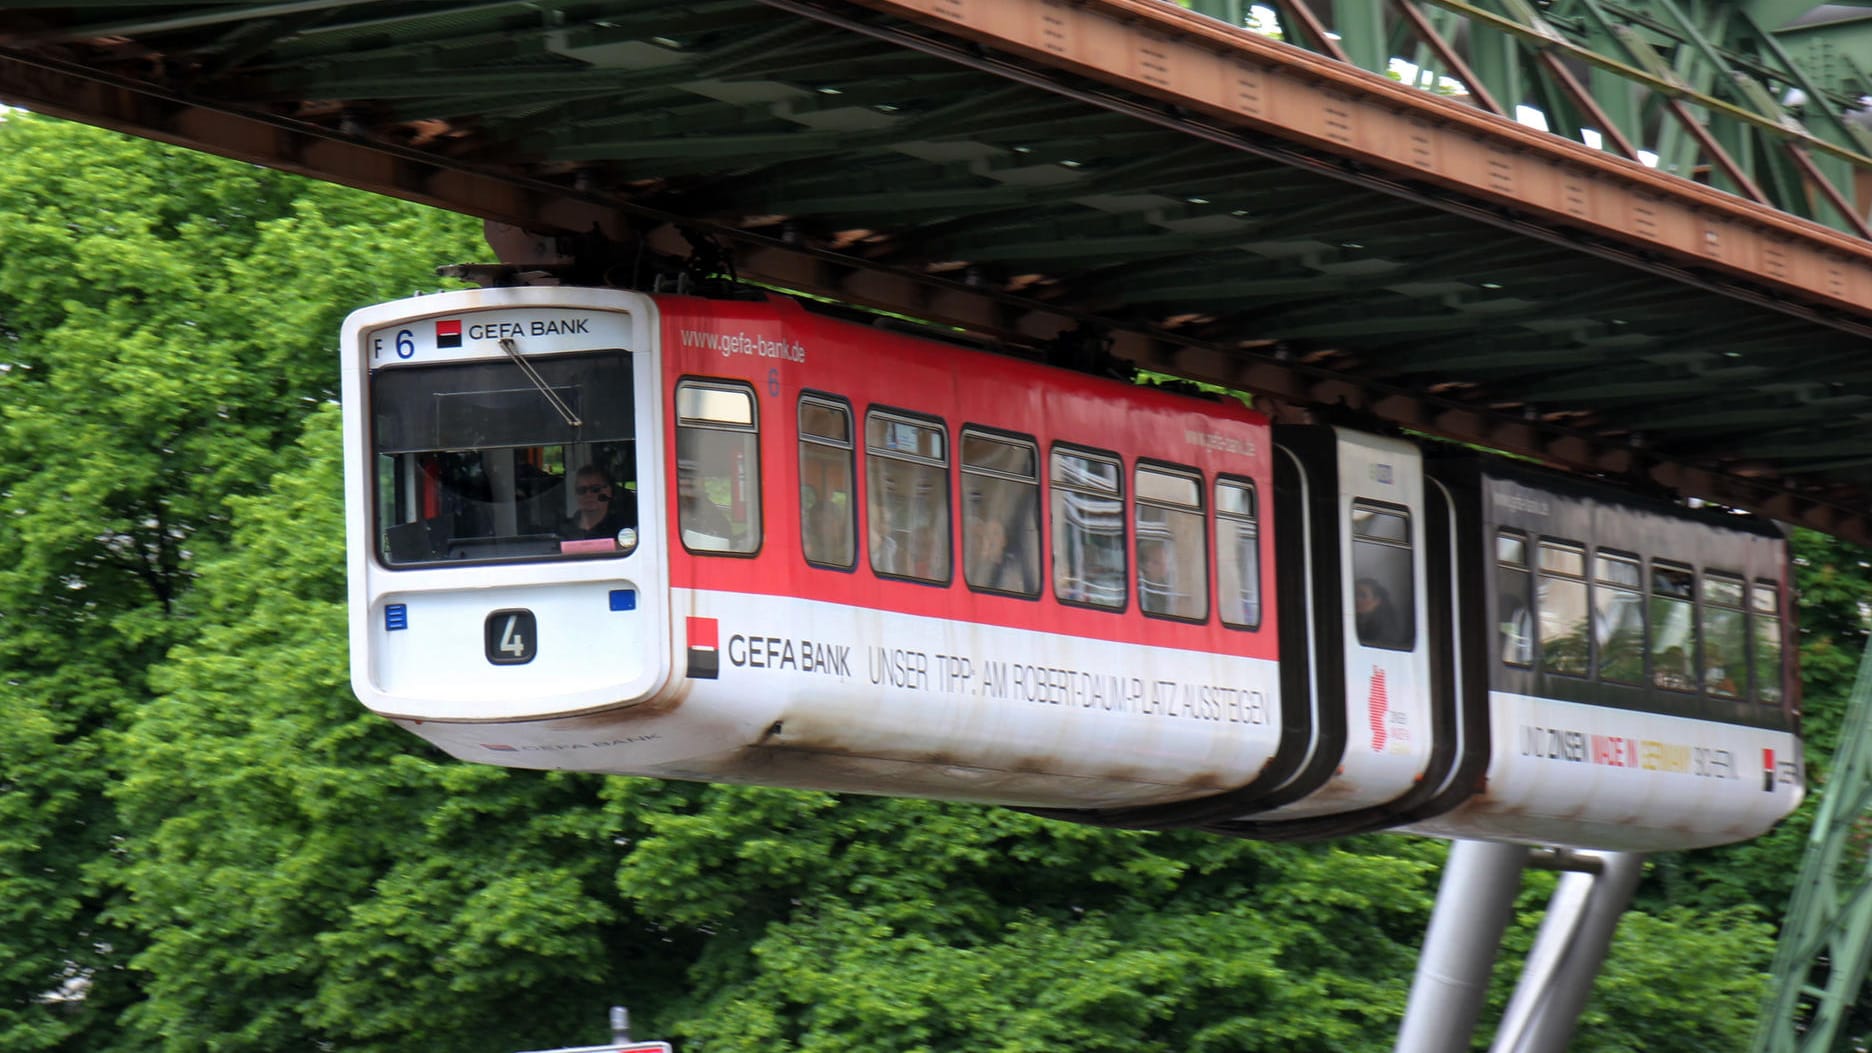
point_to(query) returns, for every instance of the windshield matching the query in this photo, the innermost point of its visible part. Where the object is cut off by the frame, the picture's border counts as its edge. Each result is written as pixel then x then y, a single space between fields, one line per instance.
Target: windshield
pixel 475 463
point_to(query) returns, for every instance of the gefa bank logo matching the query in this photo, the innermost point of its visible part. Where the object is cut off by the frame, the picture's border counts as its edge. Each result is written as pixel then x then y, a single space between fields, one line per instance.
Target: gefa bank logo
pixel 448 332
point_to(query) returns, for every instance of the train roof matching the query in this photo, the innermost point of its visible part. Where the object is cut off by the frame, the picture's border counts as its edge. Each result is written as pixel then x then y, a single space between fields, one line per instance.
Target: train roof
pixel 1084 362
pixel 1569 487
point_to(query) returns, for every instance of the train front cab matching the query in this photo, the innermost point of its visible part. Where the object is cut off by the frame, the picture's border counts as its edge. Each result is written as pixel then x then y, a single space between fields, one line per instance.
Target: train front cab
pixel 806 598
pixel 471 420
pixel 1629 665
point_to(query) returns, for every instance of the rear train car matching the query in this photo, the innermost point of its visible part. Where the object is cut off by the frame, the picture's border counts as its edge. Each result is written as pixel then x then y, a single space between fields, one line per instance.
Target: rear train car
pixel 1481 649
pixel 1627 664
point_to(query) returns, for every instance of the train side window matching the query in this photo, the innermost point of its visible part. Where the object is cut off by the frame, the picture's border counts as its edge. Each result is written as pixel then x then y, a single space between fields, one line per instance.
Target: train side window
pixel 1515 633
pixel 1618 617
pixel 1088 529
pixel 1673 627
pixel 907 496
pixel 1000 513
pixel 1765 604
pixel 1560 599
pixel 827 513
pixel 1172 554
pixel 1238 554
pixel 717 467
pixel 1384 594
pixel 1725 658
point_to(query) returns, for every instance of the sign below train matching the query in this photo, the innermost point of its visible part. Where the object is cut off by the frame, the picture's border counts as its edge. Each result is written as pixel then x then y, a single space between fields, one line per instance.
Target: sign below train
pixel 620 1039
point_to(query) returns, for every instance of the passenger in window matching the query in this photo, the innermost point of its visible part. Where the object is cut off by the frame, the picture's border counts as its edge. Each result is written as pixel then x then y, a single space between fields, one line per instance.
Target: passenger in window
pixel 984 546
pixel 1673 670
pixel 705 526
pixel 1375 617
pixel 1716 675
pixel 1155 593
pixel 602 509
pixel 1517 632
pixel 827 528
pixel 997 552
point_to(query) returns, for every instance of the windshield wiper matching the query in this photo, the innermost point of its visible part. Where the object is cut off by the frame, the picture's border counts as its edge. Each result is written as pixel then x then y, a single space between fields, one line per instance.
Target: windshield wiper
pixel 513 352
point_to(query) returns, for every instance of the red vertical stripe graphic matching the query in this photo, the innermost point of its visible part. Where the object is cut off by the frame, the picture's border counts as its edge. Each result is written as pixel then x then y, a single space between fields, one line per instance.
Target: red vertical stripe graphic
pixel 1378 704
pixel 704 653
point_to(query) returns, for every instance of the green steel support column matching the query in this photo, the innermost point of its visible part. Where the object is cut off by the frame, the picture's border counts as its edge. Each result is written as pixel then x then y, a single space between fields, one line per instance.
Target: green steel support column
pixel 1496 59
pixel 1622 102
pixel 1827 938
pixel 1234 12
pixel 1361 28
pixel 1703 67
pixel 1677 150
pixel 1837 172
pixel 1825 50
pixel 1829 117
pixel 1735 138
pixel 1449 25
pixel 1620 99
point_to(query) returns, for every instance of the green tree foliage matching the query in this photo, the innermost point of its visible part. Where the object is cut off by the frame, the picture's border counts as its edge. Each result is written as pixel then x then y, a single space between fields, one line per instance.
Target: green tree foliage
pixel 305 876
pixel 1676 977
pixel 1011 932
pixel 1695 976
pixel 206 844
pixel 167 320
pixel 1835 581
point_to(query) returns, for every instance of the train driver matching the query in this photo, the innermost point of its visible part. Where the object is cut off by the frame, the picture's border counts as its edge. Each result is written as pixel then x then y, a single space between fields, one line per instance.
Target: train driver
pixel 602 509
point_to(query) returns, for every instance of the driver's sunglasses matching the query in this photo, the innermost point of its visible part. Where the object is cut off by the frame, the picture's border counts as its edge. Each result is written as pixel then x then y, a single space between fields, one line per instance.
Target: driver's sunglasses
pixel 582 490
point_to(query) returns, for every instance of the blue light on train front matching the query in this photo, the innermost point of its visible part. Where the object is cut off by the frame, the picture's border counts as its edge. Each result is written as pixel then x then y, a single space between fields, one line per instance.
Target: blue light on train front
pixel 395 616
pixel 623 599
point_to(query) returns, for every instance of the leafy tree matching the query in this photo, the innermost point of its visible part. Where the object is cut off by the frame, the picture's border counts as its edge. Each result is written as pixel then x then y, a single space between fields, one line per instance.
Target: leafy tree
pixel 205 844
pixel 1679 979
pixel 307 876
pixel 167 320
pixel 848 924
pixel 1645 998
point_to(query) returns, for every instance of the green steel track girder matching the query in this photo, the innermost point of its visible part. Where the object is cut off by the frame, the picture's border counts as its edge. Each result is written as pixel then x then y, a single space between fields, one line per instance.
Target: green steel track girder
pixel 1744 96
pixel 1826 940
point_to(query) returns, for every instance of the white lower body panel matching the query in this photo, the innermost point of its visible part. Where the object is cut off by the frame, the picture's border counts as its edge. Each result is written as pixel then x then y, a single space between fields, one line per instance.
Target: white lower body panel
pixel 1583 776
pixel 826 696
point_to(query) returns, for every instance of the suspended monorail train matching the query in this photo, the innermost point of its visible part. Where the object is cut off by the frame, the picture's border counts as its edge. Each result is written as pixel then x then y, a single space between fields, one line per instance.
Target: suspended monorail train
pixel 736 540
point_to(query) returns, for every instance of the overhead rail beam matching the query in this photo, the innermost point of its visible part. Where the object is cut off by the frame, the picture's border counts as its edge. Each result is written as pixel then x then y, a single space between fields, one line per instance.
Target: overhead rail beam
pixel 1259 85
pixel 1760 104
pixel 1226 206
pixel 1657 76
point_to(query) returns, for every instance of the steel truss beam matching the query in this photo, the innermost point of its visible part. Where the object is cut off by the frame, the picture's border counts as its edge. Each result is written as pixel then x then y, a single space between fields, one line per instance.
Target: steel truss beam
pixel 1826 941
pixel 1254 137
pixel 1775 115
